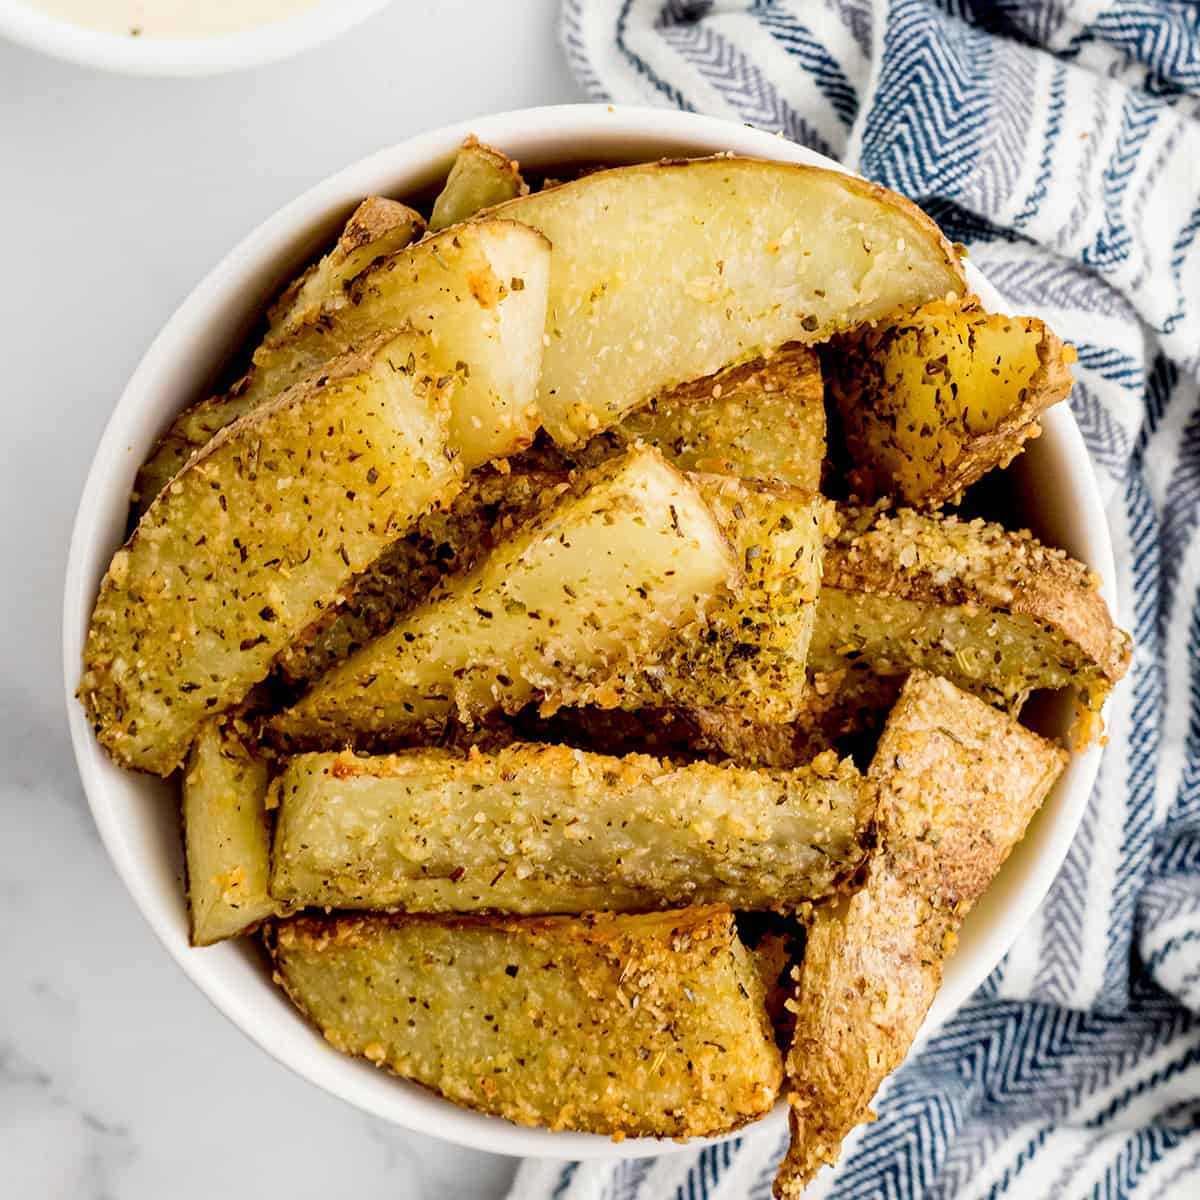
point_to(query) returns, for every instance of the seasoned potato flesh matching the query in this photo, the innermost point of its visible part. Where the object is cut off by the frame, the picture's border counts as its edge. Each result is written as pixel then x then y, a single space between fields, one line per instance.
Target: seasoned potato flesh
pixel 480 292
pixel 749 650
pixel 376 228
pixel 443 542
pixel 761 420
pixel 623 1025
pixel 959 783
pixel 584 591
pixel 479 177
pixel 546 829
pixel 256 536
pixel 937 398
pixel 226 836
pixel 994 610
pixel 666 272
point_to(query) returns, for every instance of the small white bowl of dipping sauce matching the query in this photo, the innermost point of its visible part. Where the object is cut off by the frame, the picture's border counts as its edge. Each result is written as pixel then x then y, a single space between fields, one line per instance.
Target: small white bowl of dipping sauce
pixel 178 37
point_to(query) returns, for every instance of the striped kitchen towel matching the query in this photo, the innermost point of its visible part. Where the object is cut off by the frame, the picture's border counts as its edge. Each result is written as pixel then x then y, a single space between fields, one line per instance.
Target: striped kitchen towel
pixel 1059 139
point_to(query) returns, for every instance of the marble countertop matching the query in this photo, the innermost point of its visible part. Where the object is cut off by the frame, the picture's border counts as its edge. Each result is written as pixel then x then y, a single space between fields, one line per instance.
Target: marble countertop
pixel 117 1078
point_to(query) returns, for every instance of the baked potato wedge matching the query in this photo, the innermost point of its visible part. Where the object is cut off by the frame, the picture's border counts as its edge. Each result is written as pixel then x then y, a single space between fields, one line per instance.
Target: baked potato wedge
pixel 258 533
pixel 666 272
pixel 959 783
pixel 934 399
pixel 993 610
pixel 444 541
pixel 376 228
pixel 764 419
pixel 749 650
pixel 545 829
pixel 226 835
pixel 479 177
pixel 623 1025
pixel 593 585
pixel 480 289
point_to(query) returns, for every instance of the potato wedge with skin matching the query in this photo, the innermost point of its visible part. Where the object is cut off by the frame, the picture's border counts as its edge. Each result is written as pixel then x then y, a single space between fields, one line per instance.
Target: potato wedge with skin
pixel 480 289
pixel 480 177
pixel 749 650
pixel 959 783
pixel 443 542
pixel 934 399
pixel 546 829
pixel 600 579
pixel 227 837
pixel 667 272
pixel 256 535
pixel 622 1025
pixel 761 420
pixel 993 610
pixel 377 227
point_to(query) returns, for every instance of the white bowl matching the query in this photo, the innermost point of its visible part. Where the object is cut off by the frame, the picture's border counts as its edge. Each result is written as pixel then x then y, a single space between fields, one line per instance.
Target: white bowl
pixel 38 30
pixel 137 815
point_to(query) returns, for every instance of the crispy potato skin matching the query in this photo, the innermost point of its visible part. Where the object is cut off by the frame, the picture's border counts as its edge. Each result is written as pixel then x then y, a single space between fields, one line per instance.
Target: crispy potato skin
pixel 648 1025
pixel 252 538
pixel 546 829
pixel 378 226
pixel 992 609
pixel 935 399
pixel 226 836
pixel 959 783
pixel 685 264
pixel 480 177
pixel 598 580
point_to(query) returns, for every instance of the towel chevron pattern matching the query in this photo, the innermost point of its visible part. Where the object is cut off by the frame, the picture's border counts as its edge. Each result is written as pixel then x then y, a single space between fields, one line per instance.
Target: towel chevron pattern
pixel 1060 139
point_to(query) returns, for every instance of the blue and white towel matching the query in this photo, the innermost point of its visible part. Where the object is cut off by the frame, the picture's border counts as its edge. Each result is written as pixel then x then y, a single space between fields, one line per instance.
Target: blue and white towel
pixel 1059 139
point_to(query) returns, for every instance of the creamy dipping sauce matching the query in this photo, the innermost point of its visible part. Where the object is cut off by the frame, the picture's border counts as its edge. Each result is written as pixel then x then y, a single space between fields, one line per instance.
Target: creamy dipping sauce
pixel 172 18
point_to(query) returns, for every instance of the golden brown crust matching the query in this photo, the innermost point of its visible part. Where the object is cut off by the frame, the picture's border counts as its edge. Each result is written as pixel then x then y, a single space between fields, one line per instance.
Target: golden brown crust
pixel 946 561
pixel 564 604
pixel 763 419
pixel 427 282
pixel 379 221
pixel 934 398
pixel 220 573
pixel 547 829
pixel 622 1025
pixel 959 783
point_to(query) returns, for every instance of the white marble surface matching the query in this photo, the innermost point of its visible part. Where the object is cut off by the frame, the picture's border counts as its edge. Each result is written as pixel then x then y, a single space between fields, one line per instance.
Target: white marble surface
pixel 117 1078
